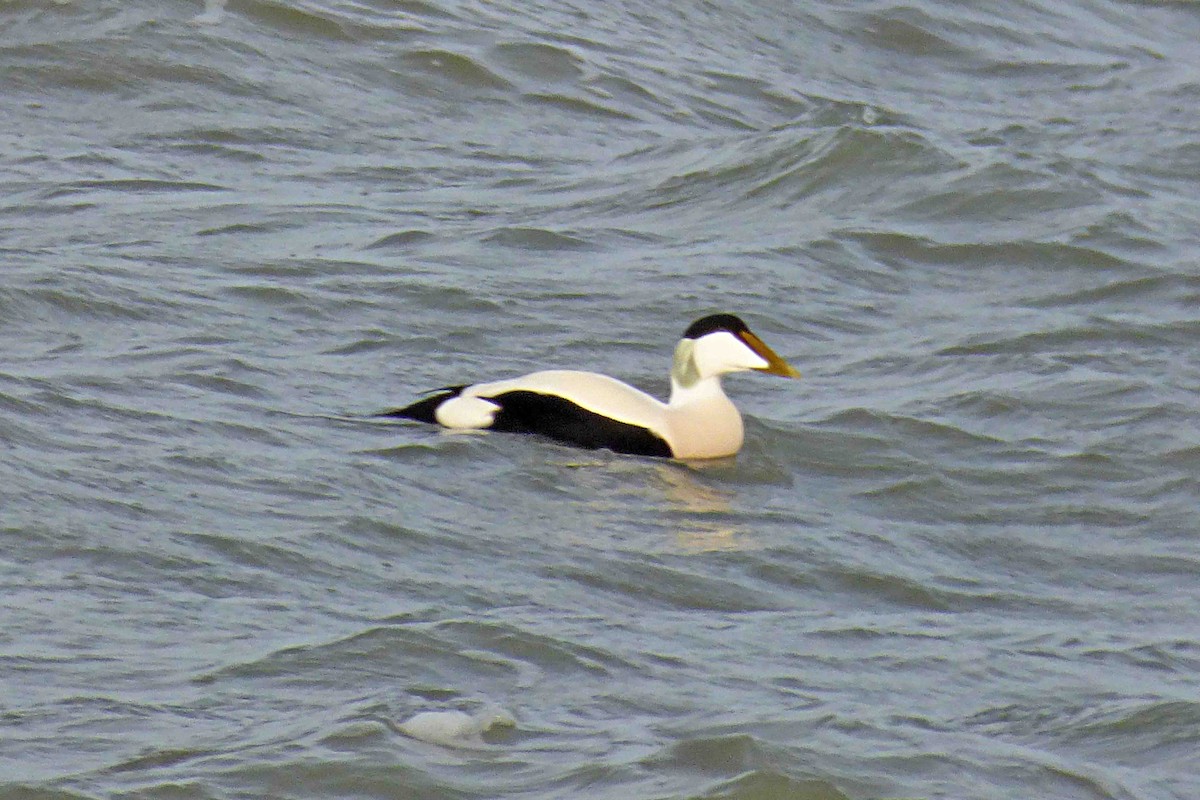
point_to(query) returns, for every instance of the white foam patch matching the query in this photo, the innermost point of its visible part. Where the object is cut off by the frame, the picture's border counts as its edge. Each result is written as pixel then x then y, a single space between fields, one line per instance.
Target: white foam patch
pixel 214 12
pixel 455 728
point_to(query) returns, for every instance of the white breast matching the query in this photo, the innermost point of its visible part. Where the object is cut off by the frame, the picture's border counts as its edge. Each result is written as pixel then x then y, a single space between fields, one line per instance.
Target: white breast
pixel 703 422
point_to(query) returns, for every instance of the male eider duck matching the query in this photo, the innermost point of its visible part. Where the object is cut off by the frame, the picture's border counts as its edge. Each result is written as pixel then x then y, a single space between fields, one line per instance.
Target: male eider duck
pixel 590 410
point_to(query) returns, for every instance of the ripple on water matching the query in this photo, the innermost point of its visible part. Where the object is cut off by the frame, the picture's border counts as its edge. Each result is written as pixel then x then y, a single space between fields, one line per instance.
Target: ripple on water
pixel 540 61
pixel 738 765
pixel 958 557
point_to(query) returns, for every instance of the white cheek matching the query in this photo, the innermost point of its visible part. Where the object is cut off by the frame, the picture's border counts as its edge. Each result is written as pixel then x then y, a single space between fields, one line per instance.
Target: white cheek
pixel 749 358
pixel 723 352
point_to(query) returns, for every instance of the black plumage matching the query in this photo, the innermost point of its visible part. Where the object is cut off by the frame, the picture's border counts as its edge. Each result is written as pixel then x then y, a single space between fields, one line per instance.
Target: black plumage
pixel 423 410
pixel 564 421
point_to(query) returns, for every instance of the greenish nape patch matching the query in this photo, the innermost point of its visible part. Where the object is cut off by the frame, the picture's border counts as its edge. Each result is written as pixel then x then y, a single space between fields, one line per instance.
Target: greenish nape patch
pixel 684 370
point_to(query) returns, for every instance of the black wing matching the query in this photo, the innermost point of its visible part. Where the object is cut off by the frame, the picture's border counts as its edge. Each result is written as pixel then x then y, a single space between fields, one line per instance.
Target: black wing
pixel 524 411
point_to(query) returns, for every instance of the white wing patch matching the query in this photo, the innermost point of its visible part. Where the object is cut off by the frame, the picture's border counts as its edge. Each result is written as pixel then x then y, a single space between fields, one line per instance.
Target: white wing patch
pixel 466 411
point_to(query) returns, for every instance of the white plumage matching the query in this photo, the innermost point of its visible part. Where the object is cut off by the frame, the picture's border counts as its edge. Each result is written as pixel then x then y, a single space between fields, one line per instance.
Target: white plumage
pixel 592 410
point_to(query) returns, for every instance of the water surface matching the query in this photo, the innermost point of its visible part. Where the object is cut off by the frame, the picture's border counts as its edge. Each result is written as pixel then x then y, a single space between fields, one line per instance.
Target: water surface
pixel 958 559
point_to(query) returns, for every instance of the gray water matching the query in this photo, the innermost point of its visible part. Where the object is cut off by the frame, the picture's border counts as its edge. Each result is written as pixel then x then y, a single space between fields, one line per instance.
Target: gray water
pixel 957 560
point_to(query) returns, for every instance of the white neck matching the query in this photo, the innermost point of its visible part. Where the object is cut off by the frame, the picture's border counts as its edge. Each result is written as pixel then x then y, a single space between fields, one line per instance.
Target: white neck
pixel 704 390
pixel 701 420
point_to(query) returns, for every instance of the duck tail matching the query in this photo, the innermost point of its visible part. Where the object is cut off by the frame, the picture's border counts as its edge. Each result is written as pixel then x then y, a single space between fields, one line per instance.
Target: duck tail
pixel 423 410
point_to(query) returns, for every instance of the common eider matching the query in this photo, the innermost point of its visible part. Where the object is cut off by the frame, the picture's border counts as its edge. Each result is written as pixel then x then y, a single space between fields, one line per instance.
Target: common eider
pixel 590 410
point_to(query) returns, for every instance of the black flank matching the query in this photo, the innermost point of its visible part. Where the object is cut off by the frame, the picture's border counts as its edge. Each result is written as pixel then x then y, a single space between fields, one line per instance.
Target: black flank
pixel 559 419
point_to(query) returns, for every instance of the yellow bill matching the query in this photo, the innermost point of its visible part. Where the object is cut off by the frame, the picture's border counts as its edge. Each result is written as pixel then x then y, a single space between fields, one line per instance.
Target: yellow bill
pixel 775 364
